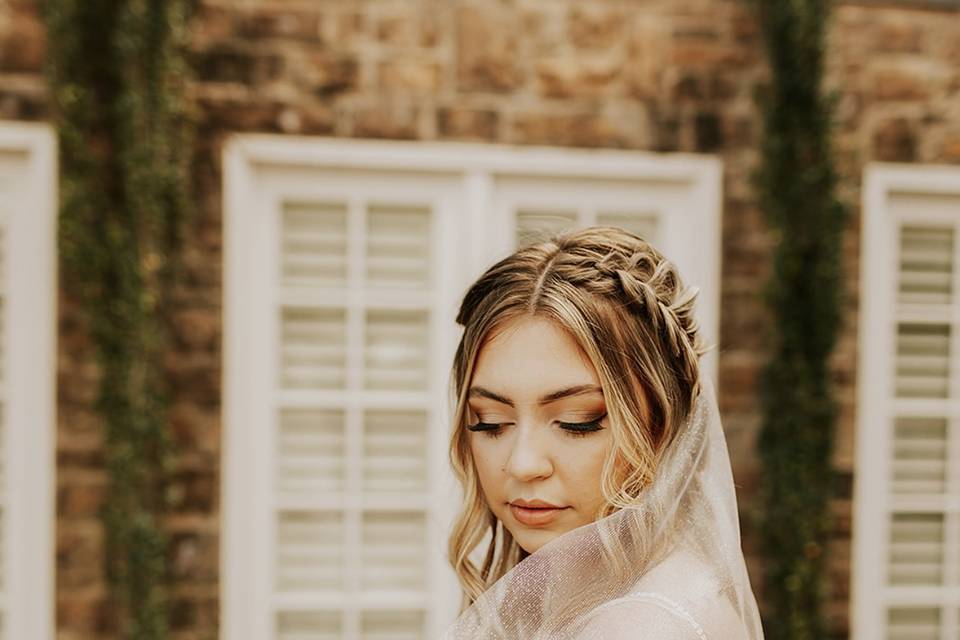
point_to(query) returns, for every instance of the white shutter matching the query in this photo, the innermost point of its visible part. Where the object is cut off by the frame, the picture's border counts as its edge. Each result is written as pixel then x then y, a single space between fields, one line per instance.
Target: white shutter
pixel 907 530
pixel 318 552
pixel 27 375
pixel 345 261
pixel 27 378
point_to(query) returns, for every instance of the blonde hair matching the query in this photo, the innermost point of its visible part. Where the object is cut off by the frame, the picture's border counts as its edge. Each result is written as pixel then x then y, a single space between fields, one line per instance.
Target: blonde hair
pixel 626 307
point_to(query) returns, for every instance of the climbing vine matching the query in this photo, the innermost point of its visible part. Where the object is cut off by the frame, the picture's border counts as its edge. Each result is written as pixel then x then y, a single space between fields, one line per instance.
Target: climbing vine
pixel 796 186
pixel 118 75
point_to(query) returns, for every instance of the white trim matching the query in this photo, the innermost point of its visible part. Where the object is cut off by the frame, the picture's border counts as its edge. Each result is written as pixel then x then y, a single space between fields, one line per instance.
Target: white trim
pixel 876 405
pixel 30 371
pixel 463 183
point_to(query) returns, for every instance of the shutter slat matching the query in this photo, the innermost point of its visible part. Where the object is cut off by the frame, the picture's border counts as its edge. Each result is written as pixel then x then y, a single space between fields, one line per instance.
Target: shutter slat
pixel 310 451
pixel 926 264
pixel 313 349
pixel 919 455
pixel 392 625
pixel 309 551
pixel 299 625
pixel 913 624
pixel 395 450
pixel 916 549
pixel 394 555
pixel 396 350
pixel 398 247
pixel 313 249
pixel 922 361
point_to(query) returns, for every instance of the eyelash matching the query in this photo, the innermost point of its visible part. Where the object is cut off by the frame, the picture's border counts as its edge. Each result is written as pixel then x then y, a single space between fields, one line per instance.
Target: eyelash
pixel 573 429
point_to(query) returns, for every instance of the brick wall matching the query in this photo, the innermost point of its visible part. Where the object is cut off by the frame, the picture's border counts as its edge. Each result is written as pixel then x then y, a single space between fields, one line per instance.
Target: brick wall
pixel 661 75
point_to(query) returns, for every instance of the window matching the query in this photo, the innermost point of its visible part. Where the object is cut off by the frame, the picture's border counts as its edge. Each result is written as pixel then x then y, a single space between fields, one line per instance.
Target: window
pixel 344 264
pixel 907 528
pixel 27 369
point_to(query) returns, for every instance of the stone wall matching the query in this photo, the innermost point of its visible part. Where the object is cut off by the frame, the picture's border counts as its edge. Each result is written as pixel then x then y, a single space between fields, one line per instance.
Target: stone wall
pixel 659 75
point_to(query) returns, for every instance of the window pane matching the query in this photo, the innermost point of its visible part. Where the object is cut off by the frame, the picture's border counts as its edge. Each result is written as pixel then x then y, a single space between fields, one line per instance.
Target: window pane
pixel 922 361
pixel 310 452
pixel 309 551
pixel 913 624
pixel 395 451
pixel 919 455
pixel 298 625
pixel 398 247
pixel 926 264
pixel 313 248
pixel 916 549
pixel 396 350
pixel 392 625
pixel 313 349
pixel 394 553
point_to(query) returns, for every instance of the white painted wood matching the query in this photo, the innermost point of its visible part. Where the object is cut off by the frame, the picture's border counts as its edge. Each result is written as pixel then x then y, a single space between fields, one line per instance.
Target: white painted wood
pixel 906 491
pixel 466 188
pixel 28 201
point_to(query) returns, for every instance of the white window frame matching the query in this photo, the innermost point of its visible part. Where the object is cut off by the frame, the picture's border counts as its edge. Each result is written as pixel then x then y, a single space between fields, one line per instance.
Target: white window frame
pixel 251 159
pixel 30 374
pixel 870 595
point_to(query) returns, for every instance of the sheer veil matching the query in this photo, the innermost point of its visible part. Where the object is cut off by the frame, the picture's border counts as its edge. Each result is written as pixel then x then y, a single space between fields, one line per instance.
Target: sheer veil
pixel 668 568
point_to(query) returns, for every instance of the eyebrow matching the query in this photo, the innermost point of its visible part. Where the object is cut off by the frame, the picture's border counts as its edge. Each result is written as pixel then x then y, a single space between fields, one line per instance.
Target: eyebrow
pixel 580 389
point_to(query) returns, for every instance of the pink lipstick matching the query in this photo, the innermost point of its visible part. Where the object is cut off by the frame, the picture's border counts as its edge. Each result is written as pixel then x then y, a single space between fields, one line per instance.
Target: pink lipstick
pixel 534 513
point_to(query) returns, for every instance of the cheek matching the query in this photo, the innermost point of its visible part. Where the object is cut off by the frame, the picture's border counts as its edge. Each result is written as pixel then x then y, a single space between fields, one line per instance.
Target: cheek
pixel 584 466
pixel 487 463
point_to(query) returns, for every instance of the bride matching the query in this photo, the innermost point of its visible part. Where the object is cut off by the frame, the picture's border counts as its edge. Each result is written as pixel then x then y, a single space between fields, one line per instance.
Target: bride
pixel 599 501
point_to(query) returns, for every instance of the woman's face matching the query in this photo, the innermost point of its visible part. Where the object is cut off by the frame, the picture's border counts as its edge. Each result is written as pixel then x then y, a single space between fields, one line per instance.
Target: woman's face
pixel 538 430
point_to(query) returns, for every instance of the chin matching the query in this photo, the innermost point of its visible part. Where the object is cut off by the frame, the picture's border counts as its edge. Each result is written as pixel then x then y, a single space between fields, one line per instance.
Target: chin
pixel 530 540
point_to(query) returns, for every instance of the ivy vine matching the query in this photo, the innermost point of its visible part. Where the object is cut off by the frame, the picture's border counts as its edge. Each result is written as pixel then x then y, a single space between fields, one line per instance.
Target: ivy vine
pixel 797 185
pixel 118 72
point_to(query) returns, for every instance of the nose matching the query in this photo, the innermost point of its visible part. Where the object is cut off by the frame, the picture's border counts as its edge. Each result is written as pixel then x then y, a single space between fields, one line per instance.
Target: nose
pixel 529 458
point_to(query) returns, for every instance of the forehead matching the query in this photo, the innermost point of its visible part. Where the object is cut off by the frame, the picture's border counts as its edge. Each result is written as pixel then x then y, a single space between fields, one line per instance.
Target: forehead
pixel 529 356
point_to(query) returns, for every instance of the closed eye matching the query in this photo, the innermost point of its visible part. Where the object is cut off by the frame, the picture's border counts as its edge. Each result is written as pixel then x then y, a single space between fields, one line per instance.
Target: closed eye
pixel 582 428
pixel 576 429
pixel 492 429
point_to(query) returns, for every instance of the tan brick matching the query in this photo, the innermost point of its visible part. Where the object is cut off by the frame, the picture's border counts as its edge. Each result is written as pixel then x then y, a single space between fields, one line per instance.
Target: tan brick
pixel 596 26
pixel 487 50
pixel 412 75
pixel 466 123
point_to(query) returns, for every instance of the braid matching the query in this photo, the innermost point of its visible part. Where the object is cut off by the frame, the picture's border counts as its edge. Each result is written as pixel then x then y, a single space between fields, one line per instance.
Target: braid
pixel 654 287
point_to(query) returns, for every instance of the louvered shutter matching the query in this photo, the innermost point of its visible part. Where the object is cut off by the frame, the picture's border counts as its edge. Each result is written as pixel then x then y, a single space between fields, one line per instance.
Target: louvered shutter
pixel 345 261
pixel 907 533
pixel 27 396
pixel 366 455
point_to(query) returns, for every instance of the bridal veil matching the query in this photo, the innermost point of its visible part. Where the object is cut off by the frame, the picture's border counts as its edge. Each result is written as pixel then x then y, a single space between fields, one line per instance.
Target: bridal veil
pixel 669 567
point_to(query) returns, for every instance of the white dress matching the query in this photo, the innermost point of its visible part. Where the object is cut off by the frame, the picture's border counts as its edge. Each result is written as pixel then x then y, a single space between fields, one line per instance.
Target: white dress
pixel 676 600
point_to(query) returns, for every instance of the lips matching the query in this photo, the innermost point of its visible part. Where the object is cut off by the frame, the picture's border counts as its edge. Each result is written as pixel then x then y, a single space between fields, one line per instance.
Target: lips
pixel 535 513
